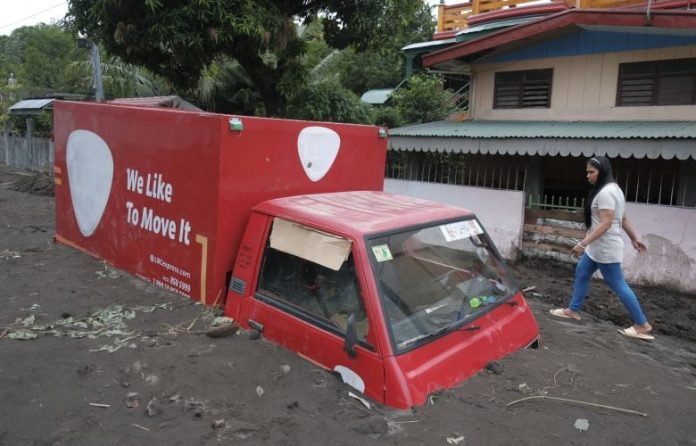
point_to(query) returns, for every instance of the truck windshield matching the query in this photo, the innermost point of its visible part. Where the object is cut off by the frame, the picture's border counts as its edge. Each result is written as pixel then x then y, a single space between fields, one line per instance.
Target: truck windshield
pixel 437 279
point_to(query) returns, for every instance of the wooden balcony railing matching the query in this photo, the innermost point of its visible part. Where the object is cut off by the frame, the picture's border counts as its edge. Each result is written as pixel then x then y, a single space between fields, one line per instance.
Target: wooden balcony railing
pixel 456 16
pixel 452 17
pixel 603 3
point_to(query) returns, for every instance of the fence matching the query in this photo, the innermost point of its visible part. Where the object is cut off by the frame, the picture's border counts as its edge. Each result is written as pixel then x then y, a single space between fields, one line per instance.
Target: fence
pixel 554 202
pixel 660 189
pixel 27 153
pixel 657 182
pixel 458 169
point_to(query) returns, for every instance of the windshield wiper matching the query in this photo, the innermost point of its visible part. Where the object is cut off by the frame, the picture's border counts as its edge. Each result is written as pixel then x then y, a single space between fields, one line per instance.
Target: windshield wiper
pixel 437 332
pixel 423 336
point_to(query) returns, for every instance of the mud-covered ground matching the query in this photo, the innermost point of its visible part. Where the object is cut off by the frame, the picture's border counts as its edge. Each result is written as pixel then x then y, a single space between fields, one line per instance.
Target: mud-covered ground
pixel 133 365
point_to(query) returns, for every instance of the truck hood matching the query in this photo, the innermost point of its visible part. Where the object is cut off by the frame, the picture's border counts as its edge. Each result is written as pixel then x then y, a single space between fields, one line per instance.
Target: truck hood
pixel 449 360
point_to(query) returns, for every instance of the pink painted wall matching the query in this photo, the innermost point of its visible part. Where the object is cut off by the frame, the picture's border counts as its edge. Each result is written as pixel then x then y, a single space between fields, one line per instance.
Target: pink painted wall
pixel 670 234
pixel 500 211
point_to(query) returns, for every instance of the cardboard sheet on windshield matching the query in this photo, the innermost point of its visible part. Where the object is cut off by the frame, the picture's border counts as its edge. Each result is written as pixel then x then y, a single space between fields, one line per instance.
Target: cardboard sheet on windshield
pixel 309 244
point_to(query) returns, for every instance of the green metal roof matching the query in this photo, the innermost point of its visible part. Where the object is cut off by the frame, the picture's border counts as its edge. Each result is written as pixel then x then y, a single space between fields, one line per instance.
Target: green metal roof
pixel 551 129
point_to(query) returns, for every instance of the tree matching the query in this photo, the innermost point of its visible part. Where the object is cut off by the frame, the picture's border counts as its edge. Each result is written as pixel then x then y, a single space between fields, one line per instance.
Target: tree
pixel 372 68
pixel 223 86
pixel 328 101
pixel 381 64
pixel 120 80
pixel 423 99
pixel 317 52
pixel 178 38
pixel 5 59
pixel 38 56
pixel 388 117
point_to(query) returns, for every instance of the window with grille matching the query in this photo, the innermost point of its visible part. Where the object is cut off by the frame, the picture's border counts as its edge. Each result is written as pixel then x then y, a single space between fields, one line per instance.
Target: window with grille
pixel 523 89
pixel 661 82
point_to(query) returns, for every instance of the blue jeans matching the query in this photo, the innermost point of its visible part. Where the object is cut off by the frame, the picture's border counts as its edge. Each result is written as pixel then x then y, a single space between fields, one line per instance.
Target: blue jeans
pixel 613 277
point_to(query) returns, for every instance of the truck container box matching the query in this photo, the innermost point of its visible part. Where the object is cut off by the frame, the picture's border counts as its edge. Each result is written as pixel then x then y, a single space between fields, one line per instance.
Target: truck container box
pixel 166 194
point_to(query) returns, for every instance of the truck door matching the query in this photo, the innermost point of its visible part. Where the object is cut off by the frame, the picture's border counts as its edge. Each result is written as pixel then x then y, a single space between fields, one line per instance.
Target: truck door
pixel 307 290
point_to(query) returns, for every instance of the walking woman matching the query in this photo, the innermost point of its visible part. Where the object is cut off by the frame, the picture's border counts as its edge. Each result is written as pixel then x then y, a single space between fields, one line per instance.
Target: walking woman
pixel 603 247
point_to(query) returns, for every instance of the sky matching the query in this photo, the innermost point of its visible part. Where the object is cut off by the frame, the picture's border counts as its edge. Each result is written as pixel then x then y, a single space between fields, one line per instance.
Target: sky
pixel 18 13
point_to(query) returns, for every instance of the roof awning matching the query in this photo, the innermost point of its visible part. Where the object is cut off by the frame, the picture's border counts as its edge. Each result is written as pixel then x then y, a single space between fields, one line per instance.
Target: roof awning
pixel 31 106
pixel 377 96
pixel 639 139
pixel 421 46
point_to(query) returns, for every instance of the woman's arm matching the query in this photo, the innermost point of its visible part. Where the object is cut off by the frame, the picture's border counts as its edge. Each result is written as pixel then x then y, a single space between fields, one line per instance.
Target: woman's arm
pixel 635 241
pixel 606 216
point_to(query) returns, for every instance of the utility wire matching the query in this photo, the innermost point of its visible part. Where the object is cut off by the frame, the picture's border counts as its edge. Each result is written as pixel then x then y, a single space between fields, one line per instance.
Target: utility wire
pixel 33 15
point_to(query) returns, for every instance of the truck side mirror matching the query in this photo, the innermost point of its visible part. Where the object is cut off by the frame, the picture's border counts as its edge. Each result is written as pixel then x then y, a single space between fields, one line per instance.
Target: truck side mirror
pixel 351 336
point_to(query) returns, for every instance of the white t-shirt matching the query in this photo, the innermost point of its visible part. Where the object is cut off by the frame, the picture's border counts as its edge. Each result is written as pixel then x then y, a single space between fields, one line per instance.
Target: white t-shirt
pixel 609 248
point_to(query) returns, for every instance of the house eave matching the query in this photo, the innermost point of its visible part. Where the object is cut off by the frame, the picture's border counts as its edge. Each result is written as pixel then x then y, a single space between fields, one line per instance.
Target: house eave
pixel 563 22
pixel 681 149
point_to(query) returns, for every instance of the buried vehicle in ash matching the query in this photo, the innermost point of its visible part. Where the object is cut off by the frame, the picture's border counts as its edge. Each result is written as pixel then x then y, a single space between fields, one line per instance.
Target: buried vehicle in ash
pixel 285 224
pixel 400 296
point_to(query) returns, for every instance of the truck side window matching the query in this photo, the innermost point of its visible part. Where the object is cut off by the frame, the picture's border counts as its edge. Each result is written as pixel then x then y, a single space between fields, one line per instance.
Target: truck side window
pixel 328 296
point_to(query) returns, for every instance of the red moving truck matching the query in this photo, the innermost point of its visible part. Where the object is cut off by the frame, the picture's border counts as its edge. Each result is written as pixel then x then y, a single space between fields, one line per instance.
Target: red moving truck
pixel 285 224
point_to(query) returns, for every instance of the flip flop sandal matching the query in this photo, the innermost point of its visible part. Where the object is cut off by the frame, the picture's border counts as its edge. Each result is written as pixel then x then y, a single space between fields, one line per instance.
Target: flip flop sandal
pixel 559 312
pixel 631 332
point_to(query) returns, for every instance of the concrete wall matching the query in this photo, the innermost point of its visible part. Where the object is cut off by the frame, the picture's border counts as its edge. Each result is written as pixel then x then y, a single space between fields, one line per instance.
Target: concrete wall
pixel 500 211
pixel 27 153
pixel 670 234
pixel 583 88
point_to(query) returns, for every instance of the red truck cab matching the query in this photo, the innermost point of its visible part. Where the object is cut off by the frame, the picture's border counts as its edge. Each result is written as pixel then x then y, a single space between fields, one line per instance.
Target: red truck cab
pixel 399 296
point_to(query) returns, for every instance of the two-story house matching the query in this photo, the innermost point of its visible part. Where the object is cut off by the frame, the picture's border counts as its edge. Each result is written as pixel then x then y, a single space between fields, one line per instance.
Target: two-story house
pixel 546 93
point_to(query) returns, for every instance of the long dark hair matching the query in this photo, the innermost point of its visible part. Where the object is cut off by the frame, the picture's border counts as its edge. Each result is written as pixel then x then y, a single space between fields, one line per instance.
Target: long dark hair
pixel 606 176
